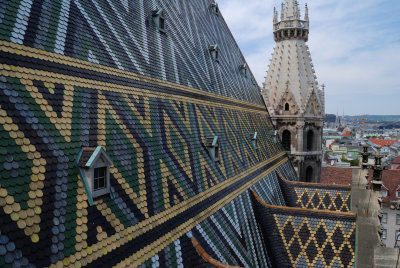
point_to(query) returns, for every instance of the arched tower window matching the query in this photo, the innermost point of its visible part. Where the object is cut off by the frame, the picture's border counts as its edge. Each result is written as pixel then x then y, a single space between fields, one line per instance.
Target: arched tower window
pixel 286 137
pixel 287 106
pixel 310 140
pixel 309 174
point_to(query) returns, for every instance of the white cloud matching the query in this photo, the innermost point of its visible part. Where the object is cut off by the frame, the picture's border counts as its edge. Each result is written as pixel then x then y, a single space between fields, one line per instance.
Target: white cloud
pixel 355 47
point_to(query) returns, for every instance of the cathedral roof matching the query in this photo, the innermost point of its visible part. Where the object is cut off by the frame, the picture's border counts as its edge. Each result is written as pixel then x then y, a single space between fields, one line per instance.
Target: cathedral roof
pixel 140 82
pixel 108 110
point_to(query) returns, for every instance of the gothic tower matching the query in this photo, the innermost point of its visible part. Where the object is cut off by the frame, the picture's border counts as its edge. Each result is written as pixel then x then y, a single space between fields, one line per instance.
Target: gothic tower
pixel 291 92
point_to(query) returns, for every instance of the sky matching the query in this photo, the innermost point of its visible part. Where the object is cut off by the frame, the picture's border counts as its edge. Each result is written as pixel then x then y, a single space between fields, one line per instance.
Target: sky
pixel 354 45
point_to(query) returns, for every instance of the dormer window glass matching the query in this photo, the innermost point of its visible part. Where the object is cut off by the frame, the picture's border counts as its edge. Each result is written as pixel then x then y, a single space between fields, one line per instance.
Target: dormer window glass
pixel 214 52
pixel 398 194
pixel 286 106
pixel 159 20
pixel 100 178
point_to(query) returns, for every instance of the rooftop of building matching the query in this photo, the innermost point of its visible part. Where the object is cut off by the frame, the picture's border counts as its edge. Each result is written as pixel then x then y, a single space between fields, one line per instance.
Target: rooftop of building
pixel 390 179
pixel 383 142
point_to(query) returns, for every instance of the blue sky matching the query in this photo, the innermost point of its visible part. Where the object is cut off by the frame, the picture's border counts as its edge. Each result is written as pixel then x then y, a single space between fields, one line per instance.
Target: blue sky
pixel 354 45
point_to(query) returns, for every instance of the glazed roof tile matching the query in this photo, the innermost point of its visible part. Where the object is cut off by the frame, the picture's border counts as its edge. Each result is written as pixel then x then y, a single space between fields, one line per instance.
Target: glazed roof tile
pixel 304 237
pixel 98 73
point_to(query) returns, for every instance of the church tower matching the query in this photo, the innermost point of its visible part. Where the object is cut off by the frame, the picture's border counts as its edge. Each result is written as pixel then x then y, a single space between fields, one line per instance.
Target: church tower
pixel 292 95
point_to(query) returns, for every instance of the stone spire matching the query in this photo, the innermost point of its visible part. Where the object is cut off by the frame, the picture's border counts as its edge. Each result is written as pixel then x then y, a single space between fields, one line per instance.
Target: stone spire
pixel 291 10
pixel 291 77
pixel 292 94
pixel 306 14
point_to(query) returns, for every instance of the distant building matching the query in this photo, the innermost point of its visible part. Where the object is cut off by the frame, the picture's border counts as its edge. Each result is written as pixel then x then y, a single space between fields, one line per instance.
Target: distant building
pixel 395 163
pixel 390 193
pixel 292 95
pixel 383 142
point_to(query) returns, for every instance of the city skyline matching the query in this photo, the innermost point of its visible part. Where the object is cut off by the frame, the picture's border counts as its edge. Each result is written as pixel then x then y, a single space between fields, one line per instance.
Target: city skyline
pixel 354 47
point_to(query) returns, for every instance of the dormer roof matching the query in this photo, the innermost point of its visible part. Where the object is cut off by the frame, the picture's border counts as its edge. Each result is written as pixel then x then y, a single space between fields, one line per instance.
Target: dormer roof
pixel 89 156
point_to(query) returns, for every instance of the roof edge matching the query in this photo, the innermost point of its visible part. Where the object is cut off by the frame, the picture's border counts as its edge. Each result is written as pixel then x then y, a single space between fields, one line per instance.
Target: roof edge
pixel 208 258
pixel 312 183
pixel 315 211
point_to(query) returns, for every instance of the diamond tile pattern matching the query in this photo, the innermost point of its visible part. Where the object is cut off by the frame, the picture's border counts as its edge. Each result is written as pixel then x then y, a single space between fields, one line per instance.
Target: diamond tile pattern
pixel 94 73
pixel 306 238
pixel 316 196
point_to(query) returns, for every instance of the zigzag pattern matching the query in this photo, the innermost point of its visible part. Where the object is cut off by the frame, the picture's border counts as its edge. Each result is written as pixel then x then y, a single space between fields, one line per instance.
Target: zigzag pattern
pixel 121 35
pixel 154 141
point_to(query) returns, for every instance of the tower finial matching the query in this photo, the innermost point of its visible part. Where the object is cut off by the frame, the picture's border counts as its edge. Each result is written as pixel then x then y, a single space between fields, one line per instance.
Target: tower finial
pixel 291 25
pixel 306 14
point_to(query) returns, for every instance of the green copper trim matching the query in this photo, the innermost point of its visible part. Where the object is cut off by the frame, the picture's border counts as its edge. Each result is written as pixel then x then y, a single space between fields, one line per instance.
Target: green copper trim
pixel 93 156
pixel 215 140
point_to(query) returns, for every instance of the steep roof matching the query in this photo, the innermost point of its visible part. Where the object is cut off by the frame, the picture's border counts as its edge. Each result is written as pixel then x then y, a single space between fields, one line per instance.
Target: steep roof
pixel 80 74
pixel 391 180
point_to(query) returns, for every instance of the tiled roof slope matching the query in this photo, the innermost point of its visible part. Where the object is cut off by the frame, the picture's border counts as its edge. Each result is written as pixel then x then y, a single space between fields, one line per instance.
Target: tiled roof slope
pixel 300 237
pixel 382 142
pixel 122 35
pixel 396 160
pixel 72 75
pixel 390 178
pixel 391 181
pixel 336 175
pixel 316 195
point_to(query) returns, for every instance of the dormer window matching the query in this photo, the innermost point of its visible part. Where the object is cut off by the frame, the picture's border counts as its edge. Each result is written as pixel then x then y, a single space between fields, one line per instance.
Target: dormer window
pixel 214 8
pixel 214 52
pixel 212 144
pixel 253 137
pixel 94 166
pixel 159 20
pixel 275 133
pixel 243 69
